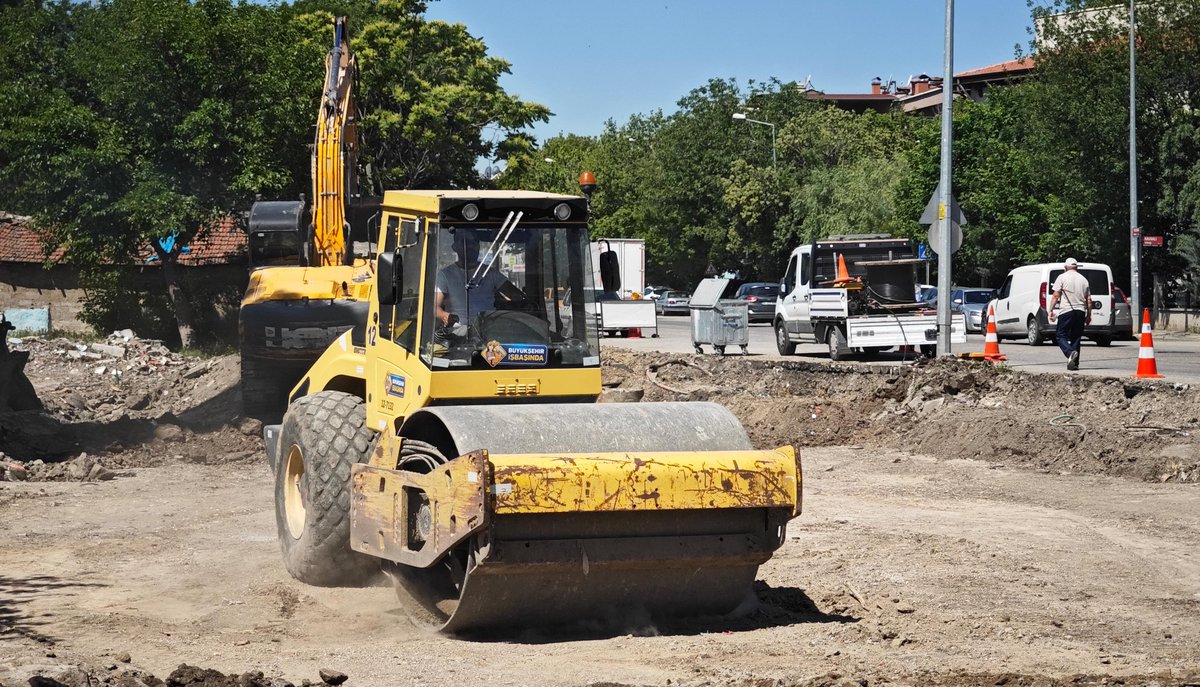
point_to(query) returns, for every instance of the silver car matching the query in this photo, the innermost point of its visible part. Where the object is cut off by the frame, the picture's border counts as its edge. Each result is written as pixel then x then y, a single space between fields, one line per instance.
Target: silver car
pixel 672 303
pixel 972 303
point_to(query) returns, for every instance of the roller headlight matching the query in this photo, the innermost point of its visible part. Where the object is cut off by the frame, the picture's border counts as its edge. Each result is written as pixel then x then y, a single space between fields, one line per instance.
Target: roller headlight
pixel 470 212
pixel 562 212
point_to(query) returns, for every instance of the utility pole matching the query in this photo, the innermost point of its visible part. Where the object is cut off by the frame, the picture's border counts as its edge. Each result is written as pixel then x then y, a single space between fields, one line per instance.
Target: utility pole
pixel 1135 232
pixel 945 213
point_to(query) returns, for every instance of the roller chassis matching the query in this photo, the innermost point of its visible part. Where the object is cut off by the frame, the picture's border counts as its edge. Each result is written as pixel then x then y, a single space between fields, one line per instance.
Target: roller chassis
pixel 505 497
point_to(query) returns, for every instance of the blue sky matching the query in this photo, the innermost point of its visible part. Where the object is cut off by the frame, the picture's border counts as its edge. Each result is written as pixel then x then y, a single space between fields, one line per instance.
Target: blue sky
pixel 591 61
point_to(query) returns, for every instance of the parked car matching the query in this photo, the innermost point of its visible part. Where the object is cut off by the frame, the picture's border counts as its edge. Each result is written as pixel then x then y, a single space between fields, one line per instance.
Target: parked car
pixel 672 303
pixel 761 297
pixel 971 302
pixel 1021 302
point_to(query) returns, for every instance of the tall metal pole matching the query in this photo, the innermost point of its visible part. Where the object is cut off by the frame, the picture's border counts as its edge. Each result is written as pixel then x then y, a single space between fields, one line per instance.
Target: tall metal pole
pixel 945 213
pixel 1135 239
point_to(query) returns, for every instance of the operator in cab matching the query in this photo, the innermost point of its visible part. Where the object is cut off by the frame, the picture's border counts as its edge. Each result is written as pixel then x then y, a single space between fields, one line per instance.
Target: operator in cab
pixel 466 287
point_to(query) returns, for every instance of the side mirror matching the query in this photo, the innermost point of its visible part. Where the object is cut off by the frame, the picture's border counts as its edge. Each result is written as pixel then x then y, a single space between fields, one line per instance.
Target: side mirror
pixel 610 269
pixel 389 271
pixel 995 295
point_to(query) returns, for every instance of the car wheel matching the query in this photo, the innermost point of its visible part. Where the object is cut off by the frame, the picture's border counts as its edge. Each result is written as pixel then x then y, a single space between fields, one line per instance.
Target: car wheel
pixel 1033 333
pixel 785 346
pixel 837 344
pixel 1103 339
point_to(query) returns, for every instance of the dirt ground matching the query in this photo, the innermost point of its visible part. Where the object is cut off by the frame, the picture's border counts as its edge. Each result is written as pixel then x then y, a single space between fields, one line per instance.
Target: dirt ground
pixel 957 530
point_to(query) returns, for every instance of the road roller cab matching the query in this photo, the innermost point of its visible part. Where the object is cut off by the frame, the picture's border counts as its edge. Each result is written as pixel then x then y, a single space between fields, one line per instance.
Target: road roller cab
pixel 458 448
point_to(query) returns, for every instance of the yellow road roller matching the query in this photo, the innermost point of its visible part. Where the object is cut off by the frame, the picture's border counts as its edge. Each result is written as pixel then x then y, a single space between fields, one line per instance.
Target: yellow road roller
pixel 459 446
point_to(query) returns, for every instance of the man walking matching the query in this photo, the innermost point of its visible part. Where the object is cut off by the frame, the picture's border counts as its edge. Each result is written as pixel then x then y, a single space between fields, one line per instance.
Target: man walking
pixel 1072 289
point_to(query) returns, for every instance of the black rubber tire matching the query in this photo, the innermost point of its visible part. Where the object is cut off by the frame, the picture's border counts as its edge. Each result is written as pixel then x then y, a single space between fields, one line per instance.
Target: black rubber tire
pixel 929 350
pixel 330 430
pixel 720 350
pixel 870 352
pixel 837 344
pixel 265 389
pixel 782 343
pixel 1033 333
pixel 1103 340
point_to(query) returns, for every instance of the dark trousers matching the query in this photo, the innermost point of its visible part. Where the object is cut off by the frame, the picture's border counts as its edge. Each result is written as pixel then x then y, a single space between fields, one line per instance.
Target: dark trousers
pixel 1069 331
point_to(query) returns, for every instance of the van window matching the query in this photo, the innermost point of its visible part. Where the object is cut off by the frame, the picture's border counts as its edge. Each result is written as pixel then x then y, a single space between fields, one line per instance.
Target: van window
pixel 1097 280
pixel 1003 292
pixel 805 270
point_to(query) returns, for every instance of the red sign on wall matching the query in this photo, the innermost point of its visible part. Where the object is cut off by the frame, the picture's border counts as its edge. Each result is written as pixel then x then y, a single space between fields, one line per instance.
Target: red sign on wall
pixel 1152 241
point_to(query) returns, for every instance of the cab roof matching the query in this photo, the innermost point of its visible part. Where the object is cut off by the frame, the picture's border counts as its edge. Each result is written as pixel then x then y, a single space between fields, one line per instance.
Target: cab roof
pixel 430 200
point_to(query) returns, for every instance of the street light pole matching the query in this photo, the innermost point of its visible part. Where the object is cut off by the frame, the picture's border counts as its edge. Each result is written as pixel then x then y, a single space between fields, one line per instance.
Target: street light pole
pixel 1135 239
pixel 945 211
pixel 742 116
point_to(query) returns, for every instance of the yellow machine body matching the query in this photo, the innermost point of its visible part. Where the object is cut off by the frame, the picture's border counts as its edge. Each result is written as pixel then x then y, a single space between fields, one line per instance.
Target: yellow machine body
pixel 538 505
pixel 307 286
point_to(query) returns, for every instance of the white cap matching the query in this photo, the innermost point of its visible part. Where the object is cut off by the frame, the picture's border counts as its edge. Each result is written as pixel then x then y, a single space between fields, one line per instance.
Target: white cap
pixel 1071 262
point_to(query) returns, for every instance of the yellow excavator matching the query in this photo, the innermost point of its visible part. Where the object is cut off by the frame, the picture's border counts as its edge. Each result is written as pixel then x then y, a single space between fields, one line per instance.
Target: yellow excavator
pixel 459 446
pixel 308 282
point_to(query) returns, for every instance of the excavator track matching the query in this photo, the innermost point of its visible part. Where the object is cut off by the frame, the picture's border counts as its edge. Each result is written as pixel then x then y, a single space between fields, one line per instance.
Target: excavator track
pixel 590 515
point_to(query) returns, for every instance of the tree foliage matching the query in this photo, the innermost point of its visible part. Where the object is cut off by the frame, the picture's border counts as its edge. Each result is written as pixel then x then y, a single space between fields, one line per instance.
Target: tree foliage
pixel 126 121
pixel 1040 166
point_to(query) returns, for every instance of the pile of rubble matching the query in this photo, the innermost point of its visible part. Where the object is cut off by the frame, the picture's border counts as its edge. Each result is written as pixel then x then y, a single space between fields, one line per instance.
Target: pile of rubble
pixel 122 402
pixel 82 468
pixel 183 676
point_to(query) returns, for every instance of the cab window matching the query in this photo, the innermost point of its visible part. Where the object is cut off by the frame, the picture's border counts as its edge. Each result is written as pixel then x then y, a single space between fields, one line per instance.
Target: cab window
pixel 411 244
pixel 789 277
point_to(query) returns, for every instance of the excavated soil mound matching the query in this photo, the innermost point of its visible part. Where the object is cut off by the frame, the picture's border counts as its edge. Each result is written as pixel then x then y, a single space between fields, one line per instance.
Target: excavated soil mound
pixel 132 403
pixel 944 408
pixel 124 403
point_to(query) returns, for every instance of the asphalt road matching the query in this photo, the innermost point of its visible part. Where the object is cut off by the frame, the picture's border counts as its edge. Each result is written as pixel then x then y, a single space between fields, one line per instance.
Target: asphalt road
pixel 1177 355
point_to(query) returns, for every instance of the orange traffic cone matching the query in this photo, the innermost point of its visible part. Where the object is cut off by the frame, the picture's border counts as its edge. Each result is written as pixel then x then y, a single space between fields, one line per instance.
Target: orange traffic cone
pixel 1147 368
pixel 844 280
pixel 991 342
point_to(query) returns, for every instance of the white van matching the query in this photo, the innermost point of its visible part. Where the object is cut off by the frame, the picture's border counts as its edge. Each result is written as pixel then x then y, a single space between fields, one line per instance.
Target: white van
pixel 1020 303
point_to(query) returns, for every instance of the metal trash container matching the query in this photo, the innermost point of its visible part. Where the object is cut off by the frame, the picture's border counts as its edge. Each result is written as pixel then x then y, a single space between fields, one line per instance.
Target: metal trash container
pixel 716 321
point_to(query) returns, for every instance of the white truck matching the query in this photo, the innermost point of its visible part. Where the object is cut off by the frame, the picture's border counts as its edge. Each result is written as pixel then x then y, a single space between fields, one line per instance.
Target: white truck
pixel 631 256
pixel 620 312
pixel 873 310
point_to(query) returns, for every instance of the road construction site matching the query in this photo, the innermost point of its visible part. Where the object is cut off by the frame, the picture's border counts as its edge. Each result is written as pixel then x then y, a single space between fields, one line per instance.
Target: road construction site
pixel 964 524
pixel 1175 352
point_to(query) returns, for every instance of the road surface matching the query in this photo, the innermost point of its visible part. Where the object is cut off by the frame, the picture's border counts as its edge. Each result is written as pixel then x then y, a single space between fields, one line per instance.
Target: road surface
pixel 1177 355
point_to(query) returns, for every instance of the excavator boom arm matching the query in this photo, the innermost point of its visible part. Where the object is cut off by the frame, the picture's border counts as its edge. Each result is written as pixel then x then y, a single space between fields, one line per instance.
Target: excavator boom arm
pixel 335 153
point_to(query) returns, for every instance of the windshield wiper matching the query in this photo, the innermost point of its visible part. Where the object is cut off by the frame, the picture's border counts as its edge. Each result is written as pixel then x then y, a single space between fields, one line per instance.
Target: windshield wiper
pixel 494 250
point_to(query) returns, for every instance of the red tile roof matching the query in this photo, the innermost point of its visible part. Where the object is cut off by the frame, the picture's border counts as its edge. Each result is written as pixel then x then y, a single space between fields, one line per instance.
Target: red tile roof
pixel 20 243
pixel 225 243
pixel 1012 66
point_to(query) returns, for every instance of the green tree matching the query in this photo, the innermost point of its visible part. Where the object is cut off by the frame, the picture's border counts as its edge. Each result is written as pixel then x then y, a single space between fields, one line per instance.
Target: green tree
pixel 155 118
pixel 1083 71
pixel 432 99
pixel 128 121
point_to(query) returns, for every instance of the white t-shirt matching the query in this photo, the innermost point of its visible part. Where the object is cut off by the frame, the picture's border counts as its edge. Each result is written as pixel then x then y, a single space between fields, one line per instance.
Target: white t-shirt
pixel 1072 288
